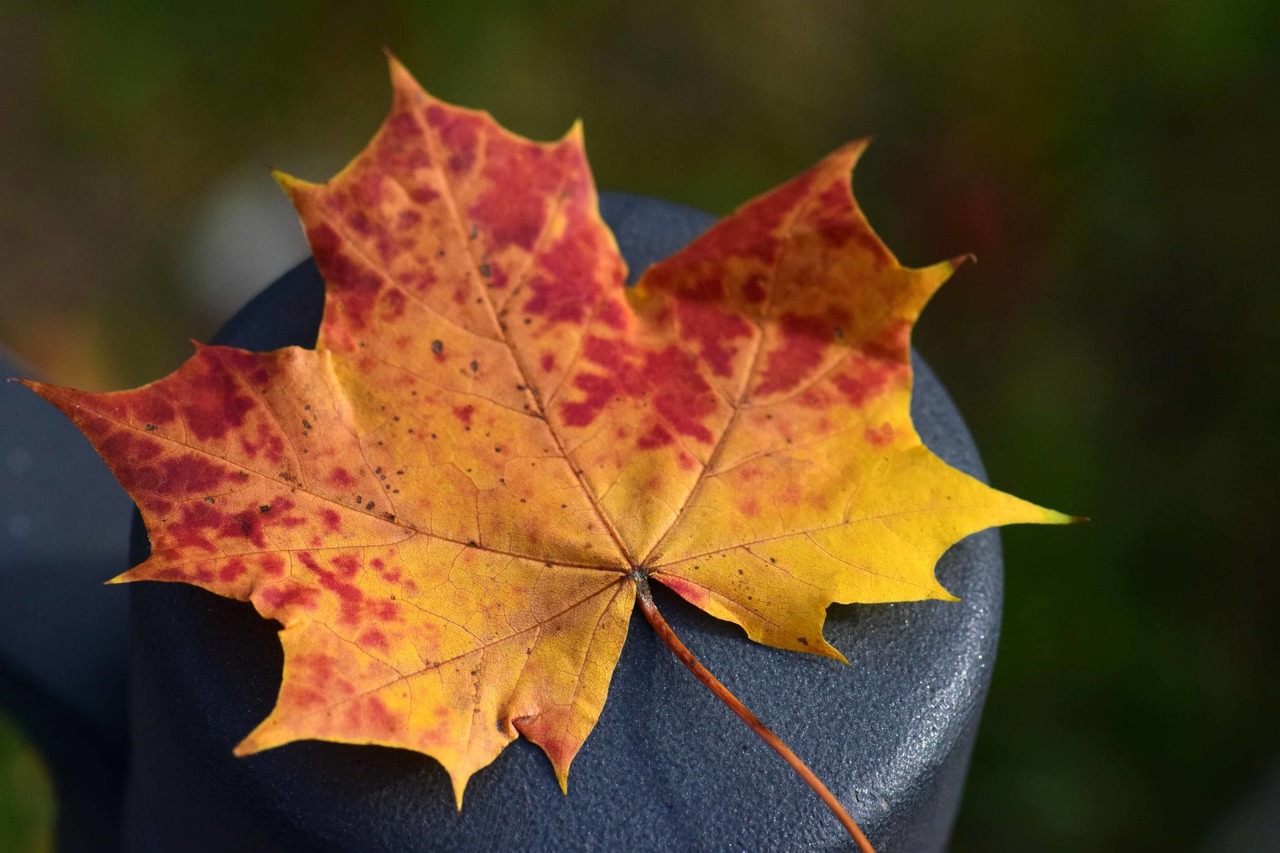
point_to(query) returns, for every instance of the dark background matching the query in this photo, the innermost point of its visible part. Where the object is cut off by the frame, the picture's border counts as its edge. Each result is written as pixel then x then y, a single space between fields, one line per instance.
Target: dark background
pixel 1110 163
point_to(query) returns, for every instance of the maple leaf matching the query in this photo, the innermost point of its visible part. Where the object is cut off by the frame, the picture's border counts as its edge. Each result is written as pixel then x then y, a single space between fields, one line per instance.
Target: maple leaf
pixel 453 503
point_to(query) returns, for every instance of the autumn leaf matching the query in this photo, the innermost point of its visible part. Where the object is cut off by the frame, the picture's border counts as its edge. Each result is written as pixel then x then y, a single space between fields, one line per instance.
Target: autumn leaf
pixel 453 503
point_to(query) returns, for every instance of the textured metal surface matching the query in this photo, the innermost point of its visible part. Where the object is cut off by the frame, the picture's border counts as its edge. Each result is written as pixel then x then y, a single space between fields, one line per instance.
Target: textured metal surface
pixel 63 531
pixel 667 768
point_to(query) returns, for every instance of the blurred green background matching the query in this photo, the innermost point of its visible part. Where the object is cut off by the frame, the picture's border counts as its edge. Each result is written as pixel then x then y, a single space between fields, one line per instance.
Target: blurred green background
pixel 1110 163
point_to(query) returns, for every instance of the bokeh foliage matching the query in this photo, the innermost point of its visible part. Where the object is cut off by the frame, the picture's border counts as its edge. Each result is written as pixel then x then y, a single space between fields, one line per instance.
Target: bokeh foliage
pixel 1110 163
pixel 26 796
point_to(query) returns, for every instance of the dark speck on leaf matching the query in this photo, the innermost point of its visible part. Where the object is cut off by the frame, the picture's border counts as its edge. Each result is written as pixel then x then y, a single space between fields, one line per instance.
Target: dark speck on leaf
pixel 306 424
pixel 475 365
pixel 208 500
pixel 264 508
pixel 149 427
pixel 369 505
pixel 437 347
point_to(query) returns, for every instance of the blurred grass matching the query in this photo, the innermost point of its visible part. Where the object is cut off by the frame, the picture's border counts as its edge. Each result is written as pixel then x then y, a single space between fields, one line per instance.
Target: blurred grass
pixel 1111 164
pixel 26 795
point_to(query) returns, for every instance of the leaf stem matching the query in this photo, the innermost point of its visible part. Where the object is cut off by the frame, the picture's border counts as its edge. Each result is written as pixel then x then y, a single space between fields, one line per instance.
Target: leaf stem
pixel 700 672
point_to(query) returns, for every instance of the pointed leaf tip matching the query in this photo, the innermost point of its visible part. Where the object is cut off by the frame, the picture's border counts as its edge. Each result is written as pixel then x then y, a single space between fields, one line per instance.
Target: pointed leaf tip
pixel 845 158
pixel 402 79
pixel 575 133
pixel 459 781
pixel 290 184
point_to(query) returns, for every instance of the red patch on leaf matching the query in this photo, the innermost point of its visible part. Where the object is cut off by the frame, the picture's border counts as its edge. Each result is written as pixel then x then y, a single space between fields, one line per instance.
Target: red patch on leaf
pixel 713 331
pixel 194 526
pixel 804 340
pixel 267 444
pixel 867 379
pixel 232 570
pixel 393 302
pixel 669 378
pixel 356 285
pixel 881 437
pixel 349 595
pixel 210 394
pixel 657 436
pixel 373 638
pixel 567 284
pixel 508 218
pixel 287 597
pixel 459 134
pixel 332 520
pixel 273 565
pixel 347 564
pixel 152 409
pixel 695 595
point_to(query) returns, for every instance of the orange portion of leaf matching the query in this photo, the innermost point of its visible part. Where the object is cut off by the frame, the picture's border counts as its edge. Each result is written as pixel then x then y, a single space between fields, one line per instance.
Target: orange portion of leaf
pixel 445 502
